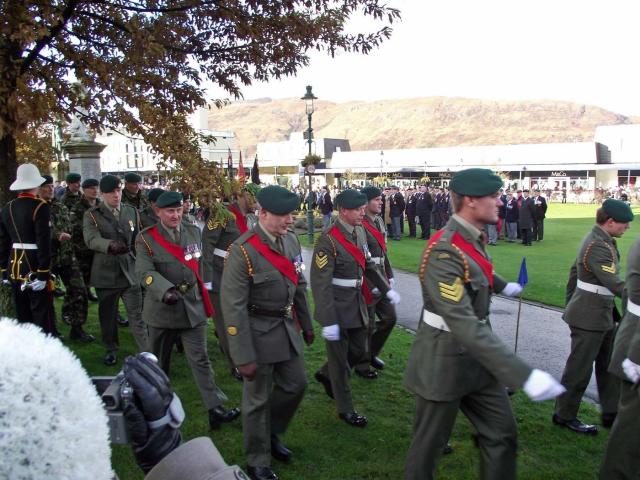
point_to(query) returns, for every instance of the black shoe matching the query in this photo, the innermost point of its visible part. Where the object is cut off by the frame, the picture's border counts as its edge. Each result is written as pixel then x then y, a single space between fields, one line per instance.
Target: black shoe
pixel 58 292
pixel 122 322
pixel 110 358
pixel 368 374
pixel 77 333
pixel 377 363
pixel 66 318
pixel 261 473
pixel 575 425
pixel 220 415
pixel 354 419
pixel 279 450
pixel 326 383
pixel 608 419
pixel 448 449
pixel 92 297
pixel 236 374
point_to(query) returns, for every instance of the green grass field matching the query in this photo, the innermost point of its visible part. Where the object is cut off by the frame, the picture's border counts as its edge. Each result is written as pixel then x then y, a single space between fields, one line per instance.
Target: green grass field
pixel 548 262
pixel 327 449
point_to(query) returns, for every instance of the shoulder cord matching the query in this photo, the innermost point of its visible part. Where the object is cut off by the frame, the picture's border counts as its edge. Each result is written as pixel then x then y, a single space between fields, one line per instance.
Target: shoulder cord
pixel 15 227
pixel 586 254
pixel 425 260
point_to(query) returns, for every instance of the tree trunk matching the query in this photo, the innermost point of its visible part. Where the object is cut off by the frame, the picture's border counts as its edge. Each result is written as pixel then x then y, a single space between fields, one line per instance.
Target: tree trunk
pixel 8 167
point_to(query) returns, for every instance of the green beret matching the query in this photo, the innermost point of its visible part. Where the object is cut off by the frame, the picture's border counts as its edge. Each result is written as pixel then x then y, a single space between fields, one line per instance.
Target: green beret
pixel 619 211
pixel 132 178
pixel 154 193
pixel 351 199
pixel 371 192
pixel 73 177
pixel 475 182
pixel 278 200
pixel 169 199
pixel 48 180
pixel 252 188
pixel 90 182
pixel 109 183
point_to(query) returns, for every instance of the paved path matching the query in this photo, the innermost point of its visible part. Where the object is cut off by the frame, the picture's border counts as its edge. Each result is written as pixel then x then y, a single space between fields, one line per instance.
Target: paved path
pixel 543 339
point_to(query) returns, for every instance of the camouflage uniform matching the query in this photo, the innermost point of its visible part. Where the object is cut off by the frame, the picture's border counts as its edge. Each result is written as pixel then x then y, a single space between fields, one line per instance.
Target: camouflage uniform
pixel 69 199
pixel 65 265
pixel 83 254
pixel 138 201
pixel 148 217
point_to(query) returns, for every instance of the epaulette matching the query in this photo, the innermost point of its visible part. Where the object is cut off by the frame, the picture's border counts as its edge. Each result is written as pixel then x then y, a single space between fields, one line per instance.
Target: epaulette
pixel 245 254
pixel 90 212
pixel 141 236
pixel 427 252
pixel 586 253
pixel 244 237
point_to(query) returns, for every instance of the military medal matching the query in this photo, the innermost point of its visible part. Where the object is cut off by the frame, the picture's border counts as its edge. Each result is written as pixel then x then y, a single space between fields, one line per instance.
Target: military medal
pixel 198 252
pixel 188 250
pixel 131 225
pixel 367 253
pixel 299 264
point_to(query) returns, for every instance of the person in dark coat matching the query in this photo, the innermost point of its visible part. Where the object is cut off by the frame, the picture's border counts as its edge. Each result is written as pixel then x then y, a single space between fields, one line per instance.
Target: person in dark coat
pixel 411 211
pixel 424 205
pixel 396 206
pixel 511 218
pixel 526 217
pixel 540 204
pixel 502 213
pixel 325 206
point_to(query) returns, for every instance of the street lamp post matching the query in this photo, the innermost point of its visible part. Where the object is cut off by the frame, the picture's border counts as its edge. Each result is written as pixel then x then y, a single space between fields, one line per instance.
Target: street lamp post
pixel 309 97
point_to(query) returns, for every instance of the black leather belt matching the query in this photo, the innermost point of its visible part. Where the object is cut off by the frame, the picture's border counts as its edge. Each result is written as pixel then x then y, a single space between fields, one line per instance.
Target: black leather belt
pixel 284 312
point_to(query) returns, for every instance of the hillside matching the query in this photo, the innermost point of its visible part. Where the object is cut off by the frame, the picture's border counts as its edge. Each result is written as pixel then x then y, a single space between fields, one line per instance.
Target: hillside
pixel 415 123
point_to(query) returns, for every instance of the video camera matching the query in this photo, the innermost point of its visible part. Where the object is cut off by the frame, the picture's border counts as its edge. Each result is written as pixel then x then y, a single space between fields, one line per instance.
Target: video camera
pixel 116 393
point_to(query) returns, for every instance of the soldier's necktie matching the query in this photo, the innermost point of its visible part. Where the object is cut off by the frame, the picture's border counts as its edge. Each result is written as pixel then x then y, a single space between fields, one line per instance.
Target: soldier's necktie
pixel 116 213
pixel 279 245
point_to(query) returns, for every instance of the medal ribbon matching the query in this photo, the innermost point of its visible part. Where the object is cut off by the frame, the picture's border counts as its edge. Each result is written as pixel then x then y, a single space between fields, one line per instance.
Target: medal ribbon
pixel 358 255
pixel 193 265
pixel 241 220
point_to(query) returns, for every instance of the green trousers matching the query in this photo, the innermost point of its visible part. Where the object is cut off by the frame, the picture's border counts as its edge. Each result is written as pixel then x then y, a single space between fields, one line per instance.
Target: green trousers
pixel 108 312
pixel 588 347
pixel 622 456
pixel 269 402
pixel 489 411
pixel 384 314
pixel 218 321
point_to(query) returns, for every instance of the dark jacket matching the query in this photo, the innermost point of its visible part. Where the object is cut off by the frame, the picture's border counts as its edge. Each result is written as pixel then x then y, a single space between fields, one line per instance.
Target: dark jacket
pixel 424 203
pixel 324 203
pixel 411 205
pixel 540 205
pixel 511 208
pixel 397 205
pixel 502 211
pixel 527 213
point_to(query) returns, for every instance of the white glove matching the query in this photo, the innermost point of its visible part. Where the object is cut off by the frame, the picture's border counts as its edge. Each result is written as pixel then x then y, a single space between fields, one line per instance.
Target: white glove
pixel 631 370
pixel 38 285
pixel 392 282
pixel 375 291
pixel 331 333
pixel 393 296
pixel 6 282
pixel 512 289
pixel 208 286
pixel 542 386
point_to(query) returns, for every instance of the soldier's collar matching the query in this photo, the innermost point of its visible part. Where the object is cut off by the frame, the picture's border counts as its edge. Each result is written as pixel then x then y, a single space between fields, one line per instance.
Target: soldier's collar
pixel 346 226
pixel 272 238
pixel 603 232
pixel 167 229
pixel 472 230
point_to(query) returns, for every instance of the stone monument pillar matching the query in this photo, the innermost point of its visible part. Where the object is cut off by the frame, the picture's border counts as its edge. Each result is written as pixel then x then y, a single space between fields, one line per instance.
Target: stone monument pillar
pixel 83 151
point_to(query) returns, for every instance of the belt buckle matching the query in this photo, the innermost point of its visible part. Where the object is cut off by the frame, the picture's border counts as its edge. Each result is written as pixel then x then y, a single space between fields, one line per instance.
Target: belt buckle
pixel 183 287
pixel 286 311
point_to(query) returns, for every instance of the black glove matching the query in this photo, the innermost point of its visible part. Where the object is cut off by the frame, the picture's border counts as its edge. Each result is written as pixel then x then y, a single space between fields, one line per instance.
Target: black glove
pixel 308 336
pixel 117 248
pixel 152 396
pixel 171 296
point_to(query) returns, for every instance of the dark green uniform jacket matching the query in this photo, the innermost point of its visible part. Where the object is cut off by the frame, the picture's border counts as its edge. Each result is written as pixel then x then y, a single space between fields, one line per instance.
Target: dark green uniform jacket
pixel 376 250
pixel 335 304
pixel 100 228
pixel 250 280
pixel 446 365
pixel 158 271
pixel 148 217
pixel 598 265
pixel 216 236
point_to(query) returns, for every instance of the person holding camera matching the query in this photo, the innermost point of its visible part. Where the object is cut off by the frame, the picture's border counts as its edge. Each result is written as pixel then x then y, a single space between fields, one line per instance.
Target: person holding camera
pixel 109 230
pixel 176 301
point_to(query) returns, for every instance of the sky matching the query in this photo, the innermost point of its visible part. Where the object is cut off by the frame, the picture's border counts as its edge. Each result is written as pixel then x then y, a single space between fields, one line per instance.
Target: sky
pixel 581 51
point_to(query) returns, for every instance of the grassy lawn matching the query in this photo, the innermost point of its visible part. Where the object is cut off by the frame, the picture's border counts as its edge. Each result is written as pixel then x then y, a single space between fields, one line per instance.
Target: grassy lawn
pixel 327 449
pixel 548 262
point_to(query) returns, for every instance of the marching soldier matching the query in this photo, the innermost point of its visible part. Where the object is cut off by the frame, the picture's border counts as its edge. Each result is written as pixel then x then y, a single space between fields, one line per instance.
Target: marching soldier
pixel 65 265
pixel 594 282
pixel 382 307
pixel 132 194
pixel 148 216
pixel 109 230
pixel 84 254
pixel 176 301
pixel 264 307
pixel 218 234
pixel 456 361
pixel 622 457
pixel 25 249
pixel 71 194
pixel 340 260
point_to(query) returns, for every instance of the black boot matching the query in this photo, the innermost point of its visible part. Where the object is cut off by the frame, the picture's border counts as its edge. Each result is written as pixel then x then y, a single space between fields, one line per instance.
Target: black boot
pixel 77 333
pixel 220 415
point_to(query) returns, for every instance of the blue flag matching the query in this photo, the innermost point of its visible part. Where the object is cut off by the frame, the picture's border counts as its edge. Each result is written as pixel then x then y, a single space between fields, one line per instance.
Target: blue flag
pixel 523 276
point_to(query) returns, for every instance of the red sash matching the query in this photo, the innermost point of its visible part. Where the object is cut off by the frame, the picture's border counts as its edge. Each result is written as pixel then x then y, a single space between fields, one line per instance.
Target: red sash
pixel 282 263
pixel 376 233
pixel 359 257
pixel 193 264
pixel 469 249
pixel 241 220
